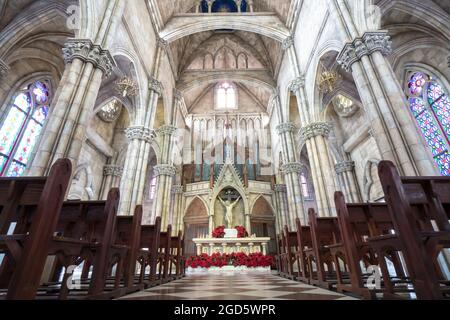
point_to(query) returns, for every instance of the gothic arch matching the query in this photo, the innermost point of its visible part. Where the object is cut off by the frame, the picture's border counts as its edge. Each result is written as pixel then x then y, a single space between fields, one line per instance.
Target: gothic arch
pixel 76 191
pixel 197 203
pixel 262 203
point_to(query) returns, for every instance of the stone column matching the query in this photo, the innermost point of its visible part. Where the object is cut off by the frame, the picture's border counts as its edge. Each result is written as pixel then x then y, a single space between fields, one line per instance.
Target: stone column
pixel 112 175
pixel 250 4
pixel 177 223
pixel 210 3
pixel 164 174
pixel 65 132
pixel 139 139
pixel 291 170
pixel 381 93
pixel 315 136
pixel 238 4
pixel 347 178
pixel 281 198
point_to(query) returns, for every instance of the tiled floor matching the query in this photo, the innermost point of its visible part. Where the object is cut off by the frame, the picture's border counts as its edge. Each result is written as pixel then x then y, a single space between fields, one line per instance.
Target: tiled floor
pixel 236 287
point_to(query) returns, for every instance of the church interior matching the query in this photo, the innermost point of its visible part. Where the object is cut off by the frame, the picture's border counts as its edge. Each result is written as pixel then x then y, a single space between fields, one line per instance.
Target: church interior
pixel 293 149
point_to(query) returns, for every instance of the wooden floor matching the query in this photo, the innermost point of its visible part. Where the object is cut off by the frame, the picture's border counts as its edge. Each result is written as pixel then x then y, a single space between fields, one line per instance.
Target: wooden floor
pixel 236 287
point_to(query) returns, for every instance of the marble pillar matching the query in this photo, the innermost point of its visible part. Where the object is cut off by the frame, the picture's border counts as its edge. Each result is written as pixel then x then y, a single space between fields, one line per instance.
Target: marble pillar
pixel 315 136
pixel 281 200
pixel 177 214
pixel 164 174
pixel 345 171
pixel 112 175
pixel 382 95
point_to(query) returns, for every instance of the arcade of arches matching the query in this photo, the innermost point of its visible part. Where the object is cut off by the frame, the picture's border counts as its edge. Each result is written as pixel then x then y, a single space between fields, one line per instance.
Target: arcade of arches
pixel 273 103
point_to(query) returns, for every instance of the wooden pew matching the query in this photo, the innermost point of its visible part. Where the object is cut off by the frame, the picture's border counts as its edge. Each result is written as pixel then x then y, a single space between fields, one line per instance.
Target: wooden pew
pixel 283 256
pixel 30 210
pixel 86 234
pixel 148 254
pixel 324 234
pixel 303 241
pixel 420 211
pixel 360 225
pixel 164 255
pixel 291 247
pixel 176 257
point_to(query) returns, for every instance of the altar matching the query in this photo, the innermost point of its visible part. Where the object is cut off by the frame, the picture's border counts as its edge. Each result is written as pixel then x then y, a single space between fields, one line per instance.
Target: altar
pixel 231 245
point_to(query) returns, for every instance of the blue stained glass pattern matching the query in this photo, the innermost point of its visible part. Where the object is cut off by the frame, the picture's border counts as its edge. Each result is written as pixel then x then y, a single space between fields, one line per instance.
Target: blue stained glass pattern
pixel 10 130
pixel 40 92
pixel 431 133
pixel 417 106
pixel 16 170
pixel 416 84
pixel 440 103
pixel 443 162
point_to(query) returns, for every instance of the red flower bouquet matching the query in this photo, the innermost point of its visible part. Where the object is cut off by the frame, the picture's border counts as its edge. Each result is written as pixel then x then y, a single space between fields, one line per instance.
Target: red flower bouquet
pixel 242 232
pixel 219 232
pixel 240 259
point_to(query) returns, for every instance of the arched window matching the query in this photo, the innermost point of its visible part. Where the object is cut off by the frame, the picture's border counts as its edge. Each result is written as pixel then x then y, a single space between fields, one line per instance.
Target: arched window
pixel 153 188
pixel 22 126
pixel 305 186
pixel 226 97
pixel 430 105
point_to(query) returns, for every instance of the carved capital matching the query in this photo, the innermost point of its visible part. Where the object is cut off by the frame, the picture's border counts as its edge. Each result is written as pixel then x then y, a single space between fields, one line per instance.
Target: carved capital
pixel 112 170
pixel 178 189
pixel 293 167
pixel 4 69
pixel 297 84
pixel 369 43
pixel 280 188
pixel 140 133
pixel 163 44
pixel 87 51
pixel 285 128
pixel 315 129
pixel 287 43
pixel 345 166
pixel 177 95
pixel 167 130
pixel 164 170
pixel 155 86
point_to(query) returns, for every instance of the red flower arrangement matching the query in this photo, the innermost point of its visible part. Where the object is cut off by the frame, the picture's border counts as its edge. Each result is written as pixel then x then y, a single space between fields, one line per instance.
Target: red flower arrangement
pixel 219 232
pixel 239 259
pixel 242 232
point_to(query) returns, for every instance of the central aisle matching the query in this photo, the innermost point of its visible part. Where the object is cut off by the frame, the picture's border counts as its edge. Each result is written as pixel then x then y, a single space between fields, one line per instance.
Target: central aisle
pixel 236 287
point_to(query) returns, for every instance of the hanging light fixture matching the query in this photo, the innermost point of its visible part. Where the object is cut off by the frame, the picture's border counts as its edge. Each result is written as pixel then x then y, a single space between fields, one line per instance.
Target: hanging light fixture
pixel 328 79
pixel 126 86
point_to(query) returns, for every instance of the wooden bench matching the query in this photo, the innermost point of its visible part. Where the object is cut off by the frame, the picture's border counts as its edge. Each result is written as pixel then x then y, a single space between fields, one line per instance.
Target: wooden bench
pixel 420 211
pixel 324 234
pixel 303 241
pixel 30 209
pixel 148 254
pixel 164 255
pixel 361 227
pixel 176 257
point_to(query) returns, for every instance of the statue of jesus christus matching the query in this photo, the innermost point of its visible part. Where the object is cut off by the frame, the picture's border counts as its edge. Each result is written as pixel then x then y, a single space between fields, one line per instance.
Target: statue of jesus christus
pixel 229 206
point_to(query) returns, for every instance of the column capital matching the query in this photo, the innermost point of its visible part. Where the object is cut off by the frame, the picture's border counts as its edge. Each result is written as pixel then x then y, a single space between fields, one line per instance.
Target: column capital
pixel 154 85
pixel 167 130
pixel 315 129
pixel 177 189
pixel 297 84
pixel 280 188
pixel 293 167
pixel 4 68
pixel 140 133
pixel 287 43
pixel 164 170
pixel 345 166
pixel 285 128
pixel 113 170
pixel 87 51
pixel 369 43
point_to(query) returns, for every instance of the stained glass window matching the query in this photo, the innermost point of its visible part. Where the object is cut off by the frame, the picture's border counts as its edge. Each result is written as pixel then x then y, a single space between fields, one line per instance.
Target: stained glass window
pixel 22 126
pixel 430 105
pixel 226 97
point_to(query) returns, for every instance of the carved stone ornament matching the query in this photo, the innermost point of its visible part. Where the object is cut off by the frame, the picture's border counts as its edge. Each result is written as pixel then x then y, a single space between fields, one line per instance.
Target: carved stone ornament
pixel 297 84
pixel 155 86
pixel 87 51
pixel 140 133
pixel 369 43
pixel 345 166
pixel 280 188
pixel 177 189
pixel 286 128
pixel 167 130
pixel 287 43
pixel 315 129
pixel 293 167
pixel 111 170
pixel 164 170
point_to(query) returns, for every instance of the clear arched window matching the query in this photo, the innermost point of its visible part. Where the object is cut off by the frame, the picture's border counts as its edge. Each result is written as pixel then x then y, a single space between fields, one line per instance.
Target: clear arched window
pixel 22 126
pixel 305 186
pixel 226 97
pixel 430 105
pixel 153 188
